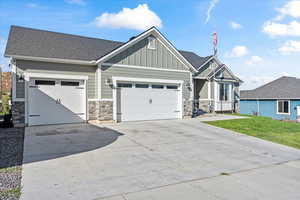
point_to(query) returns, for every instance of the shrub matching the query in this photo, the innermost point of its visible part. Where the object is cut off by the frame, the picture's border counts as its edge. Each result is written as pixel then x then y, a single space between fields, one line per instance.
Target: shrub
pixel 5 104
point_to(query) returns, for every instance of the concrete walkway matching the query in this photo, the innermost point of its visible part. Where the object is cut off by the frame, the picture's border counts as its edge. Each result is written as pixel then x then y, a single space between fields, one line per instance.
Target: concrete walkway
pixel 157 160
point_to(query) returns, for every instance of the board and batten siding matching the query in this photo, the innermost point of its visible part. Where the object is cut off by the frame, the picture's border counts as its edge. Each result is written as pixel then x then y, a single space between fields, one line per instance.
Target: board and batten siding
pixel 107 72
pixel 58 68
pixel 140 55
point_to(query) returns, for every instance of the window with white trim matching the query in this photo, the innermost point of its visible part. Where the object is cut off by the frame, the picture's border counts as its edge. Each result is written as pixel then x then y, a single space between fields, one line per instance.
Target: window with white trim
pixel 283 106
pixel 224 92
pixel 151 43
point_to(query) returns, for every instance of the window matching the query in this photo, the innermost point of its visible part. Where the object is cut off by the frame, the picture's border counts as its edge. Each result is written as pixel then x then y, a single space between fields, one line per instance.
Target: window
pixel 224 92
pixel 157 86
pixel 283 106
pixel 69 83
pixel 44 82
pixel 124 85
pixel 151 43
pixel 139 85
pixel 172 87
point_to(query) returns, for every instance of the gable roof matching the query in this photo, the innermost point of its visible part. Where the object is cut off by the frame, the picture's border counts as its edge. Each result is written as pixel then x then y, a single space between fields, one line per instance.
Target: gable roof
pixel 28 42
pixel 194 59
pixel 282 88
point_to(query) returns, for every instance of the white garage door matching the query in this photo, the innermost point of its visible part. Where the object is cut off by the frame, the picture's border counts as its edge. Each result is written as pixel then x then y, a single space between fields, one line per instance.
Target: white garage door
pixel 146 101
pixel 53 101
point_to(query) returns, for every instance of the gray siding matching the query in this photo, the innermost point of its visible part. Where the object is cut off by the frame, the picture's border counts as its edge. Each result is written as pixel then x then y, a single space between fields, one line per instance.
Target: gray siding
pixel 109 72
pixel 207 69
pixel 201 89
pixel 140 55
pixel 58 68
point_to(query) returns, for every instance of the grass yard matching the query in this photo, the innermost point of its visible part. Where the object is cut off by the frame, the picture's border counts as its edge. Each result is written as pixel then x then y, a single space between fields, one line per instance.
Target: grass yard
pixel 287 133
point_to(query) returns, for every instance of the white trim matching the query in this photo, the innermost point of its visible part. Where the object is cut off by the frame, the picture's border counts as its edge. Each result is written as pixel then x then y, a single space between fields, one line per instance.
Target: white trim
pixel 29 75
pixel 192 88
pixel 115 79
pixel 100 99
pixel 215 95
pixel 142 67
pixel 56 60
pixel 204 99
pixel 279 113
pixel 202 78
pixel 205 62
pixel 209 90
pixel 149 80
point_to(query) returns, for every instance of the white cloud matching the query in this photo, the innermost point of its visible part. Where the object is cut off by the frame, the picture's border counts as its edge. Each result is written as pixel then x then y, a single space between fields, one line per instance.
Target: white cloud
pixel 77 2
pixel 238 51
pixel 139 18
pixel 254 60
pixel 278 29
pixel 235 25
pixel 212 4
pixel 291 8
pixel 290 46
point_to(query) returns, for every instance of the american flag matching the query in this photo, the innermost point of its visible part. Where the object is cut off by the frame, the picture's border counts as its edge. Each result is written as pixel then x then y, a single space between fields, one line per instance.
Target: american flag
pixel 215 41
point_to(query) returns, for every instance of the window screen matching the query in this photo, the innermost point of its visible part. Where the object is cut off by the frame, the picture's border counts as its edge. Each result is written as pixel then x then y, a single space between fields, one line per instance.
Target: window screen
pixel 69 83
pixel 141 85
pixel 44 82
pixel 157 86
pixel 124 85
pixel 283 107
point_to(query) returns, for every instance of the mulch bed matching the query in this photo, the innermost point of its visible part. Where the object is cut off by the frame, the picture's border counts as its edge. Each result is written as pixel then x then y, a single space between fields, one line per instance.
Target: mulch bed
pixel 11 157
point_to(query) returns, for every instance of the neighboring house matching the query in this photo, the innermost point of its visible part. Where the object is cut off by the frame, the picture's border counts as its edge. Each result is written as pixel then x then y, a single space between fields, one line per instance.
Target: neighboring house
pixel 63 78
pixel 279 99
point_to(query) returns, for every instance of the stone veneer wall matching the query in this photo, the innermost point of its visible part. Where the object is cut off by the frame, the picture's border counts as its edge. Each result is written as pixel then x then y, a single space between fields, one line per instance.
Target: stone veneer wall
pixel 100 110
pixel 93 110
pixel 188 108
pixel 105 110
pixel 18 113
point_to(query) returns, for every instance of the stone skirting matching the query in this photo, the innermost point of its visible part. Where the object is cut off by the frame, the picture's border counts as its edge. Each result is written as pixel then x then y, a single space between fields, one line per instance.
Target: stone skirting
pixel 18 113
pixel 187 108
pixel 100 110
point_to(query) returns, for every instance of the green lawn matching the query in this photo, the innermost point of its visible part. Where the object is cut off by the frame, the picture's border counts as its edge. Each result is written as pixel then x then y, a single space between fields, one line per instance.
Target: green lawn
pixel 287 133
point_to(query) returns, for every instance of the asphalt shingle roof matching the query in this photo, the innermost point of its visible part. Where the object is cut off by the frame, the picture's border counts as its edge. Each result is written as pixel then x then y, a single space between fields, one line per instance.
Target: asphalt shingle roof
pixel 282 88
pixel 46 44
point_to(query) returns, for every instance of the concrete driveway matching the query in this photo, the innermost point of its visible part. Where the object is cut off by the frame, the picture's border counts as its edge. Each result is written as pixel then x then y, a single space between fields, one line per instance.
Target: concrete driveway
pixel 157 160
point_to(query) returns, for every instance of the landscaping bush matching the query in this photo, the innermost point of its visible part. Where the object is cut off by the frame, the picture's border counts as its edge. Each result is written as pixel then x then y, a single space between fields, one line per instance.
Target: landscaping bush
pixel 5 105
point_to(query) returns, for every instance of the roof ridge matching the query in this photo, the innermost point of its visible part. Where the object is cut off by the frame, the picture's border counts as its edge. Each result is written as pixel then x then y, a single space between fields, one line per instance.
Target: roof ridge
pixel 61 33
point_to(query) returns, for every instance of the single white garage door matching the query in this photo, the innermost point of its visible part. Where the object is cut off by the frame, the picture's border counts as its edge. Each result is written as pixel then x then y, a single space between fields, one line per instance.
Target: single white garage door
pixel 52 101
pixel 146 101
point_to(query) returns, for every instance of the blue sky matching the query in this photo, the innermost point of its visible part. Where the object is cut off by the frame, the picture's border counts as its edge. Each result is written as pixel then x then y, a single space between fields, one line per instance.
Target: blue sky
pixel 259 39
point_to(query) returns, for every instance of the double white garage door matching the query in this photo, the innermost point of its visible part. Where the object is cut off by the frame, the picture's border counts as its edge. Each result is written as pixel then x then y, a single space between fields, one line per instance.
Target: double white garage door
pixel 146 101
pixel 53 101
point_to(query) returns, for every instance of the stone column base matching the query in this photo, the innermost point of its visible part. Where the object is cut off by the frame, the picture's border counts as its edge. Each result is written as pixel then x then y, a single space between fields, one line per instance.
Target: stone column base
pixel 18 113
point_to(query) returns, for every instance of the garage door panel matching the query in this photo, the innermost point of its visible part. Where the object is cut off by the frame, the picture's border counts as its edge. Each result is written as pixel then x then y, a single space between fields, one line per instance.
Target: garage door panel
pixel 55 104
pixel 149 104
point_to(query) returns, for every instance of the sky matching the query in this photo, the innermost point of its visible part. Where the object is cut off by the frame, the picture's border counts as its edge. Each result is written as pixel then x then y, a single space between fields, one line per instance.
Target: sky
pixel 259 40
